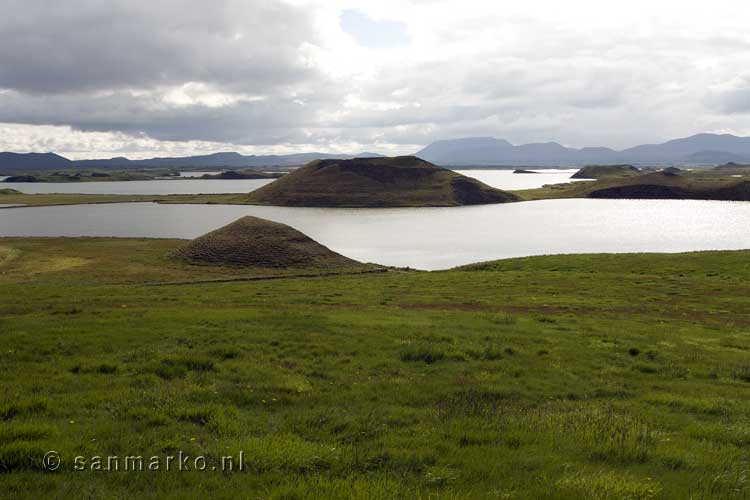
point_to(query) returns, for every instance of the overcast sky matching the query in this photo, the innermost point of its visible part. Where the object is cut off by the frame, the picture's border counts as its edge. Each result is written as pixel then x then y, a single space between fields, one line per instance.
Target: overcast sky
pixel 140 78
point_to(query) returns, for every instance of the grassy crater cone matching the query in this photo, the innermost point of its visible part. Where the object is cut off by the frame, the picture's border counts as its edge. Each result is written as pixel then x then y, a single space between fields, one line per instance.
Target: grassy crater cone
pixel 254 242
pixel 403 181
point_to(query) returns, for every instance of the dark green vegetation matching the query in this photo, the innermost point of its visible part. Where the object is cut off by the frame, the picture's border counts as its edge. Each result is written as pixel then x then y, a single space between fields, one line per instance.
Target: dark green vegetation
pixel 671 186
pixel 134 175
pixel 672 170
pixel 22 178
pixel 573 377
pixel 242 174
pixel 7 191
pixel 603 171
pixel 254 242
pixel 404 181
pixel 683 185
pixel 732 169
pixel 14 163
pixel 92 176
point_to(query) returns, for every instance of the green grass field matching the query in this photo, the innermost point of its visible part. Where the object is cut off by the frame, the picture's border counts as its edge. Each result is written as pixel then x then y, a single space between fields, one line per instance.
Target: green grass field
pixel 574 377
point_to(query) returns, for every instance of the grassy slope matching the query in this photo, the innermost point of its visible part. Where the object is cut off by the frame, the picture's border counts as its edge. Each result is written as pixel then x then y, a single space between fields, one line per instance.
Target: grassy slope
pixel 688 186
pixel 593 376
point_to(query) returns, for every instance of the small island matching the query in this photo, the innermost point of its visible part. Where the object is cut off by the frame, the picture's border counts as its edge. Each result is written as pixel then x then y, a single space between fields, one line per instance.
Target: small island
pixel 523 171
pixel 133 175
pixel 22 178
pixel 603 171
pixel 239 175
pixel 732 168
pixel 86 176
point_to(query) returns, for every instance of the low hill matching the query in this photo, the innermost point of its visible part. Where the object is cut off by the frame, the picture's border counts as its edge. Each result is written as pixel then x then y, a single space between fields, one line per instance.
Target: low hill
pixel 602 171
pixel 404 181
pixel 24 162
pixel 9 191
pixel 657 185
pixel 254 242
pixel 672 171
pixel 663 185
pixel 43 162
pixel 732 168
pixel 70 176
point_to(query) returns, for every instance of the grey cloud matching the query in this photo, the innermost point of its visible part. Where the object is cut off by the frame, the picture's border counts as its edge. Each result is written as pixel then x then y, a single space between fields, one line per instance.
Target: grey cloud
pixel 79 45
pixel 269 121
pixel 732 99
pixel 107 66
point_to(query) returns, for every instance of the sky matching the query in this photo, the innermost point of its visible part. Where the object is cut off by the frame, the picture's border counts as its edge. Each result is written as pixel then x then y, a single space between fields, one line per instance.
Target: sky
pixel 142 78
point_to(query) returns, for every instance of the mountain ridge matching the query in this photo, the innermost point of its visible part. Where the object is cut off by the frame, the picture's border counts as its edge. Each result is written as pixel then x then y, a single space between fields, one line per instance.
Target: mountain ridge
pixel 20 162
pixel 704 148
pixel 698 149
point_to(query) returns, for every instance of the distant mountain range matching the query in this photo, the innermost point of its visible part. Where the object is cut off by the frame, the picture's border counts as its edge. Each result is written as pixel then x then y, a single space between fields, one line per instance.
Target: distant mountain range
pixel 699 149
pixel 24 162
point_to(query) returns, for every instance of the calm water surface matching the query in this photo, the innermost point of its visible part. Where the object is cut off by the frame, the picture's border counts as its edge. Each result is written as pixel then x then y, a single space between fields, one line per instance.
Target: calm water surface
pixel 428 238
pixel 506 179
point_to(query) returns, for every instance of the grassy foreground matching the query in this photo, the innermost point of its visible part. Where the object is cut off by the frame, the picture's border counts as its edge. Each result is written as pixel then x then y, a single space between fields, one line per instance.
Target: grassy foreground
pixel 574 377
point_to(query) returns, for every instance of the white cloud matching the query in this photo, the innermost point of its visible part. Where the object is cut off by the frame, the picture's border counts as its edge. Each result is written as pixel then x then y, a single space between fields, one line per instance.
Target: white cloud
pixel 137 77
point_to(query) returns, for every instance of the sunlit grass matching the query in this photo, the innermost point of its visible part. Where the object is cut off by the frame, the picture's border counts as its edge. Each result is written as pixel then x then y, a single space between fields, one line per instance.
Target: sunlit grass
pixel 595 377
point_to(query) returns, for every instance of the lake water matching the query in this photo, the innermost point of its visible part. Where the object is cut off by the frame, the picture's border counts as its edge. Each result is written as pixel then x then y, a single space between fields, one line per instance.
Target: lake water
pixel 503 179
pixel 506 179
pixel 428 238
